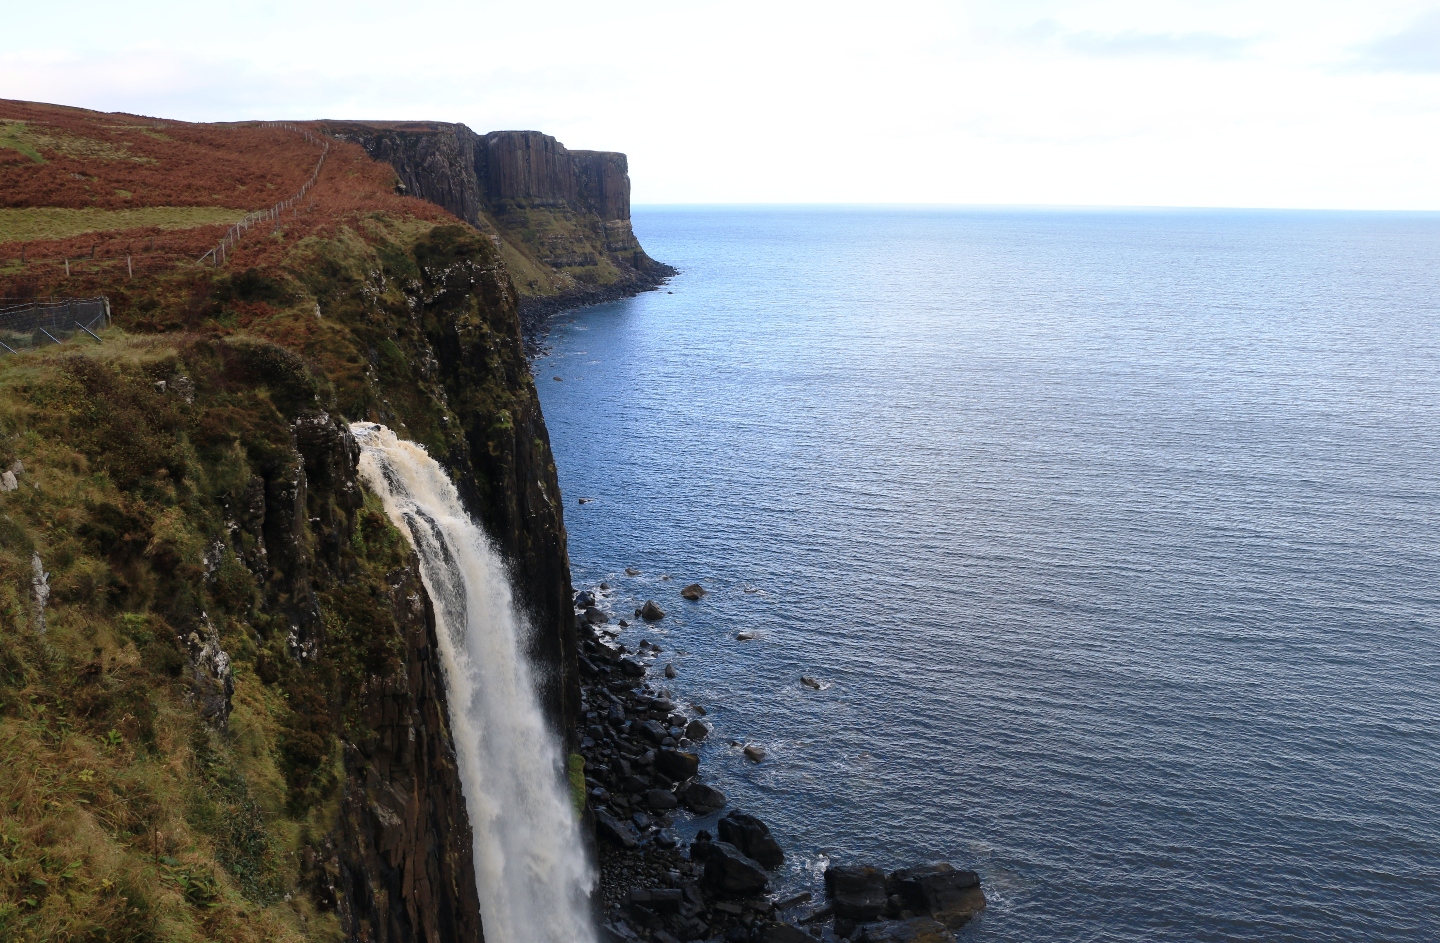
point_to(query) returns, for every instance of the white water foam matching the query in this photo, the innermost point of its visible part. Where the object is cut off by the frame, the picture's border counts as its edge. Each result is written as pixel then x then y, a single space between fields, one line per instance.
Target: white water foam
pixel 530 867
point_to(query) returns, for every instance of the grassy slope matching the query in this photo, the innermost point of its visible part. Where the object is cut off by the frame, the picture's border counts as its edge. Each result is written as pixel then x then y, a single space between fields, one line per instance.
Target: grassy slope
pixel 125 816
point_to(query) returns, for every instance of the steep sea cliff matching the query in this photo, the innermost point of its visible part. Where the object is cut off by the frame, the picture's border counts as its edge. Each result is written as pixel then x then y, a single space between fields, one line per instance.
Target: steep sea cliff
pixel 222 707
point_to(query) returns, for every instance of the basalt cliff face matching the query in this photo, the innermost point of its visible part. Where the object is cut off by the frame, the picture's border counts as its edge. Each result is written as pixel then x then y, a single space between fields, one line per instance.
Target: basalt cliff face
pixel 561 217
pixel 207 626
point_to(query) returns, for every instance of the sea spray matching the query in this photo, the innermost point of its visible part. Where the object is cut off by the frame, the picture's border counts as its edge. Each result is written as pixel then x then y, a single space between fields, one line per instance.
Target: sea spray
pixel 530 869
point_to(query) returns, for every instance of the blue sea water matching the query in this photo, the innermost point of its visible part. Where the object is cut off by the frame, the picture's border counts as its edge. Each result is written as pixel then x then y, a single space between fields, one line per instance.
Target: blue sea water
pixel 1114 538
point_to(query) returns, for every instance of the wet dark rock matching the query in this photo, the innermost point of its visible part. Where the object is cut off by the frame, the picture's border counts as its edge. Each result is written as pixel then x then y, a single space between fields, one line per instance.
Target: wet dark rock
pixel 950 895
pixel 677 764
pixel 669 670
pixel 660 900
pixel 745 636
pixel 697 730
pixel 653 731
pixel 631 571
pixel 810 682
pixel 661 799
pixel 784 933
pixel 584 600
pixel 634 784
pixel 730 873
pixel 703 799
pixel 651 611
pixel 753 838
pixel 631 667
pixel 793 900
pixel 754 753
pixel 915 930
pixel 624 623
pixel 694 592
pixel 858 891
pixel 612 829
pixel 595 616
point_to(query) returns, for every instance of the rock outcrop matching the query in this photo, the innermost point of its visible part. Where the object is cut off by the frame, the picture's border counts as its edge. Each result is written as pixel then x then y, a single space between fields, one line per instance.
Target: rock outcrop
pixel 561 217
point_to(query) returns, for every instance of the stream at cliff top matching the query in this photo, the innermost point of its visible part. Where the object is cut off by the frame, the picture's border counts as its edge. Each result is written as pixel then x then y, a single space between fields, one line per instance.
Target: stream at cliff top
pixel 1114 537
pixel 531 872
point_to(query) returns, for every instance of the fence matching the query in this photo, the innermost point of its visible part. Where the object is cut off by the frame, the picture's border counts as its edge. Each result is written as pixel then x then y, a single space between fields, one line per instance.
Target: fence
pixel 233 234
pixel 35 323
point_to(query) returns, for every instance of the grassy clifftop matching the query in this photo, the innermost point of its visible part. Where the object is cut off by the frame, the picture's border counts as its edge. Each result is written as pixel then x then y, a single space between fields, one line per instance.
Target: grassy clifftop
pixel 221 715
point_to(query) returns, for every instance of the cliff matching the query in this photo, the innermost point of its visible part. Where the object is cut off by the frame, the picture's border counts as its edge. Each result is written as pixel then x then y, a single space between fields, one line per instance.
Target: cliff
pixel 561 217
pixel 222 714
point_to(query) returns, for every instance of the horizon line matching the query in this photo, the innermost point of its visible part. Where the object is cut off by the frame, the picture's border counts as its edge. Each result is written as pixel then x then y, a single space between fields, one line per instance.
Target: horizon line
pixel 1032 207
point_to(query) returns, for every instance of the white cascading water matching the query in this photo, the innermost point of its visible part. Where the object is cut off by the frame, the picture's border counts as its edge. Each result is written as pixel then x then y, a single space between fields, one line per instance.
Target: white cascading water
pixel 530 868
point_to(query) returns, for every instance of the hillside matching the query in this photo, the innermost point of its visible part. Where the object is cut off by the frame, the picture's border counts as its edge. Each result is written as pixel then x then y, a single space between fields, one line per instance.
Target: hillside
pixel 221 713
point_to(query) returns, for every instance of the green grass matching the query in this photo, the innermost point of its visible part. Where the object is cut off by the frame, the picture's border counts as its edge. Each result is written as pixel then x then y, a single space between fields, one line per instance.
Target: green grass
pixel 14 137
pixel 50 222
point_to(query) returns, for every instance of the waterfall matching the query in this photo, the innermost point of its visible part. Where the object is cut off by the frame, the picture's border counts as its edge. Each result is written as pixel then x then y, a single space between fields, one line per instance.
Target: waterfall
pixel 530 867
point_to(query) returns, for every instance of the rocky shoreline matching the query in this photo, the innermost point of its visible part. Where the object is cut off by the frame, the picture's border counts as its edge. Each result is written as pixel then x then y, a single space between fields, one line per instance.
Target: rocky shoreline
pixel 642 773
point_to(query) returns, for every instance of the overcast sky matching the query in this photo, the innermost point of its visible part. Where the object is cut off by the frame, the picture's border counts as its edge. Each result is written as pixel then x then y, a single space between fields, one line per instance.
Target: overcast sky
pixel 1266 103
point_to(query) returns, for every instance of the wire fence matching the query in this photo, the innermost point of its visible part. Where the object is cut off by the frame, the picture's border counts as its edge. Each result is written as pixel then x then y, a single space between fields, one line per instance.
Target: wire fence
pixel 233 234
pixel 27 324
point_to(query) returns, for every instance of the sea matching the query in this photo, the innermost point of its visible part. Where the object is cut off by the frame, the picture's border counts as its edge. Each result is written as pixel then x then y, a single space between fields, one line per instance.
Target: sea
pixel 1111 537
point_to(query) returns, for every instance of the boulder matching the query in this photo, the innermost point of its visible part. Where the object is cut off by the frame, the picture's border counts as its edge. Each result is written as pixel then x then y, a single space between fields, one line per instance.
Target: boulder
pixel 651 611
pixel 744 636
pixel 694 592
pixel 631 667
pixel 661 799
pixel 661 900
pixel 754 753
pixel 784 933
pixel 584 600
pixel 917 930
pixel 669 670
pixel 858 891
pixel 677 764
pixel 697 730
pixel 702 799
pixel 729 873
pixel 948 894
pixel 631 571
pixel 753 838
pixel 653 731
pixel 810 682
pixel 612 829
pixel 595 616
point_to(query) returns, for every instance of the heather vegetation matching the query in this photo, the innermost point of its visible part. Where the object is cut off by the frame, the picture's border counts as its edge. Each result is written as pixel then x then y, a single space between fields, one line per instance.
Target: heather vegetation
pixel 199 611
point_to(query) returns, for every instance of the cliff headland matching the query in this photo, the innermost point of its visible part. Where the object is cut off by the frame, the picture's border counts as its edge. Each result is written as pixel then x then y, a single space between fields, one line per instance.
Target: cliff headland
pixel 560 217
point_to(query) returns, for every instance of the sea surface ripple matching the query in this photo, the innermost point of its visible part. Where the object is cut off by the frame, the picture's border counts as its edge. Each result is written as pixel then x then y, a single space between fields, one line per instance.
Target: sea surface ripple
pixel 1112 535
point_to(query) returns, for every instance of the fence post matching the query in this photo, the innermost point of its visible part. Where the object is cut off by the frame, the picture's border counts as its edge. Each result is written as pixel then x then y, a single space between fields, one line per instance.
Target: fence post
pixel 130 269
pixel 67 268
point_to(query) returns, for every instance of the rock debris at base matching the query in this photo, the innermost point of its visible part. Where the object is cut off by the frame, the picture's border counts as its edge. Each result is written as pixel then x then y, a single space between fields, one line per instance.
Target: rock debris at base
pixel 642 773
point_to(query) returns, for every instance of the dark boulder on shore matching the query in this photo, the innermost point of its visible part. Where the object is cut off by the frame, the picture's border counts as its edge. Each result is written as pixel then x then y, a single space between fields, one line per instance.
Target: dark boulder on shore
pixel 584 599
pixel 752 837
pixel 677 764
pixel 612 829
pixel 858 891
pixel 651 611
pixel 595 616
pixel 946 893
pixel 914 930
pixel 702 799
pixel 730 873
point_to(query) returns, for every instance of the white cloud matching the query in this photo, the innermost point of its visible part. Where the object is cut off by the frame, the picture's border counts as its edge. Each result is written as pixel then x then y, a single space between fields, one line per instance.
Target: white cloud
pixel 1190 102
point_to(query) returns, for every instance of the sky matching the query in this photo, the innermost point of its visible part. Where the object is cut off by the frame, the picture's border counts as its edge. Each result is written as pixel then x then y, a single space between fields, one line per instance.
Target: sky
pixel 1263 103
